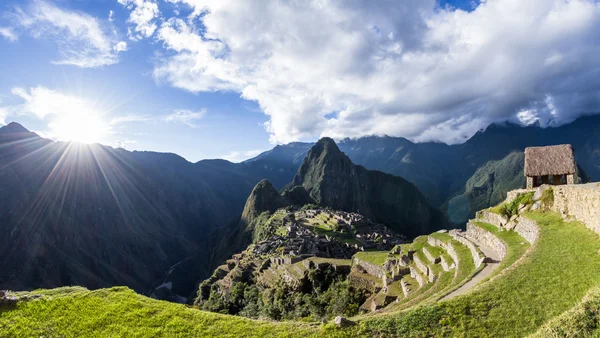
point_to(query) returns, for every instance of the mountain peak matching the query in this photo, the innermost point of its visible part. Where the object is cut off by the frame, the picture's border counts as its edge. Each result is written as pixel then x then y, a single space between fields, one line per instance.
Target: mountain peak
pixel 263 198
pixel 13 128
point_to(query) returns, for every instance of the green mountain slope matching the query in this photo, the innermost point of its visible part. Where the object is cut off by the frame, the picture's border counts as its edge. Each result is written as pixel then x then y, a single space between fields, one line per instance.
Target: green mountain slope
pixel 332 180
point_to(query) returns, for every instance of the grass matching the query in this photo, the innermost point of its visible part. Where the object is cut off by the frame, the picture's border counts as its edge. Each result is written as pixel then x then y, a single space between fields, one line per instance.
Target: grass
pixel 120 312
pixel 509 209
pixel 581 321
pixel 515 246
pixel 374 257
pixel 549 281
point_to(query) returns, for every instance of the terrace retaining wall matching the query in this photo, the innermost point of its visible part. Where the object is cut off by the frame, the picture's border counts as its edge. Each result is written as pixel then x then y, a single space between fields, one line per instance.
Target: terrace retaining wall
pixel 478 258
pixel 485 237
pixel 580 201
pixel 528 229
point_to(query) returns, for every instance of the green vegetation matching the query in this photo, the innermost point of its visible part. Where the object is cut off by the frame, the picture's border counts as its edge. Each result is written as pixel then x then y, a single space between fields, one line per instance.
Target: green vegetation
pixel 487 187
pixel 549 281
pixel 374 257
pixel 510 209
pixel 322 295
pixel 120 312
pixel 266 224
pixel 547 198
pixel 581 321
pixel 310 206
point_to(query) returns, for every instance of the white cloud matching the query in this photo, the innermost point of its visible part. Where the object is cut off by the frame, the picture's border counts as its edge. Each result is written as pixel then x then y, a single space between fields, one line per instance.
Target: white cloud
pixel 121 46
pixel 143 15
pixel 8 34
pixel 82 40
pixel 240 156
pixel 185 116
pixel 129 118
pixel 404 68
pixel 111 16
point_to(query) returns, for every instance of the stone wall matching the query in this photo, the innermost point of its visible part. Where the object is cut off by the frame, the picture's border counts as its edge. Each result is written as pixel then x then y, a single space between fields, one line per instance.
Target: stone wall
pixel 444 264
pixel 416 275
pixel 430 257
pixel 580 201
pixel 491 218
pixel 528 229
pixel 446 246
pixel 370 268
pixel 485 237
pixel 420 265
pixel 478 257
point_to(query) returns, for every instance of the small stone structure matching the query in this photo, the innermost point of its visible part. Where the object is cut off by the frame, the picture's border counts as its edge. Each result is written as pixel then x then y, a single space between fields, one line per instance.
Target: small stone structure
pixel 550 165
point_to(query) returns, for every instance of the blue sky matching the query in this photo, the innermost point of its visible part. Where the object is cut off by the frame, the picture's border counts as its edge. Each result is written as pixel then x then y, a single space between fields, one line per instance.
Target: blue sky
pixel 228 79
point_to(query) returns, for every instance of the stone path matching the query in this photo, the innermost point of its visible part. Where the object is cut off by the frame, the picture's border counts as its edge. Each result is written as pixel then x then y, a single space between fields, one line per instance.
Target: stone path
pixel 481 275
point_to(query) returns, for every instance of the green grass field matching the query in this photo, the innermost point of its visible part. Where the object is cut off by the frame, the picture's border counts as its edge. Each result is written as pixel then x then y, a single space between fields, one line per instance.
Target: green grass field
pixel 547 286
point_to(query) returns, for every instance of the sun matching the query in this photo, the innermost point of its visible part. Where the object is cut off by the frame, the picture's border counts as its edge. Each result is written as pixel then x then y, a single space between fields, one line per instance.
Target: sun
pixel 82 127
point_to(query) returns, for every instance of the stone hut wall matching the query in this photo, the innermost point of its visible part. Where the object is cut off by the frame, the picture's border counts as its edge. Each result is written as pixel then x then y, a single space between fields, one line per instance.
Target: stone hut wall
pixel 485 237
pixel 580 201
pixel 528 229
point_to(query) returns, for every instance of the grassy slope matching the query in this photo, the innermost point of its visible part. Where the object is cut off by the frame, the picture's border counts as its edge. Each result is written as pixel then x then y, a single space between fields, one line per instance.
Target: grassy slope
pixel 551 280
pixel 119 312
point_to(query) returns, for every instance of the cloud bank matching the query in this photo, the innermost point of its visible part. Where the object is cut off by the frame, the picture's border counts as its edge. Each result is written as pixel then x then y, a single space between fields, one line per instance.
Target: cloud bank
pixel 410 68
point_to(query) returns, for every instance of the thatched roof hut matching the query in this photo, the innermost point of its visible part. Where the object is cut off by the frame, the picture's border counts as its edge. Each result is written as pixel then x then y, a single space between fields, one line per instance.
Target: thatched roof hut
pixel 551 161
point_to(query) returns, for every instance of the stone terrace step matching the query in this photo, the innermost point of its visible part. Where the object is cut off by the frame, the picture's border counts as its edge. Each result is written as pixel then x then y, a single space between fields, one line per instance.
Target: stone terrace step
pixel 478 256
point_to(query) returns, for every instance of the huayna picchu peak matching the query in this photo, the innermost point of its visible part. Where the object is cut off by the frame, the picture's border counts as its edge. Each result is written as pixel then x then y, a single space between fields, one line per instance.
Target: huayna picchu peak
pixel 331 180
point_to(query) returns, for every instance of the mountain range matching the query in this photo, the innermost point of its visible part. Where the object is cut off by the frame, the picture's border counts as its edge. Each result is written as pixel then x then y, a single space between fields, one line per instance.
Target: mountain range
pixel 96 216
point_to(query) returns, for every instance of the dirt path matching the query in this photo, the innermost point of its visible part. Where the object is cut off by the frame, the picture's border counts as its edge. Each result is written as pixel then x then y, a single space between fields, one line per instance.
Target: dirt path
pixel 481 275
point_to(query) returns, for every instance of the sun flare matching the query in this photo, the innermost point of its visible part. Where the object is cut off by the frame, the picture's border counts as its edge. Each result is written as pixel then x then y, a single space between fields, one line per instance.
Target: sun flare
pixel 83 127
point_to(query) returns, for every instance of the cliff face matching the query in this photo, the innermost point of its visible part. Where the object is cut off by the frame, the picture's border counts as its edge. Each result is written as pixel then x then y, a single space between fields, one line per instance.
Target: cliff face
pixel 332 180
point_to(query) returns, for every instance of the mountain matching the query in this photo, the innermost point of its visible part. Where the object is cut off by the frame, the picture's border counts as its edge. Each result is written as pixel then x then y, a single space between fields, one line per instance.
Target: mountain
pixel 330 179
pixel 442 171
pixel 96 216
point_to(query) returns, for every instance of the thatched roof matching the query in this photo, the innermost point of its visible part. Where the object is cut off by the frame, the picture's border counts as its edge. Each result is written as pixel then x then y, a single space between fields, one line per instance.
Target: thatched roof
pixel 552 160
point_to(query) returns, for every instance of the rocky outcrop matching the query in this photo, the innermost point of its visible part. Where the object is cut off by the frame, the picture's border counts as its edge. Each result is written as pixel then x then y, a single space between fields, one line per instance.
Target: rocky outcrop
pixel 263 198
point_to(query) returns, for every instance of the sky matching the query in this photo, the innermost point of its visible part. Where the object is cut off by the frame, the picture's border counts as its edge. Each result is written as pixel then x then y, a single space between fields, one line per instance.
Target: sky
pixel 229 79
